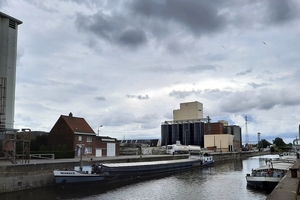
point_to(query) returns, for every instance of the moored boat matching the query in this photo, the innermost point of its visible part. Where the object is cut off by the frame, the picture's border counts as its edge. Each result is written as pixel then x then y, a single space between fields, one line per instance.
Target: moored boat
pixel 268 176
pixel 118 172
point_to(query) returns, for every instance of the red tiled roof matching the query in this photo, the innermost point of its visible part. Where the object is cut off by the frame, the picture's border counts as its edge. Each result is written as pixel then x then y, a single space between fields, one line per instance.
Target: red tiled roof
pixel 77 124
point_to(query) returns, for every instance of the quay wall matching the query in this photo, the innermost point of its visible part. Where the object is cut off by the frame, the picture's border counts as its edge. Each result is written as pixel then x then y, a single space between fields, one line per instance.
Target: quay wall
pixel 39 173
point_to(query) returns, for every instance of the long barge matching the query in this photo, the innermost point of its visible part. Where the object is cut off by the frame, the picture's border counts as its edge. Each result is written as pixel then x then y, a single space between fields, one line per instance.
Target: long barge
pixel 118 172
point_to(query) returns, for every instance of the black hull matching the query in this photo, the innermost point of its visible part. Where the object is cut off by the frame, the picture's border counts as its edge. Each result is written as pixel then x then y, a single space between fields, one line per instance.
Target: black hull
pixel 132 172
pixel 137 175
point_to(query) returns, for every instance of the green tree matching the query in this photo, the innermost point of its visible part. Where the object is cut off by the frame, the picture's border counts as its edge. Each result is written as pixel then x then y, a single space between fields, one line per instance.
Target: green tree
pixel 43 148
pixel 58 147
pixel 264 143
pixel 279 142
pixel 64 148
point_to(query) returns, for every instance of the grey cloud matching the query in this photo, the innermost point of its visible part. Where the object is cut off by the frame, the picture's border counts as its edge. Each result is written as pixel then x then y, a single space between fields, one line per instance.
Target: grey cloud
pixel 100 98
pixel 133 37
pixel 138 97
pixel 178 94
pixel 200 68
pixel 255 85
pixel 266 99
pixel 122 118
pixel 111 28
pixel 3 3
pixel 197 16
pixel 281 11
pixel 248 71
pixel 138 22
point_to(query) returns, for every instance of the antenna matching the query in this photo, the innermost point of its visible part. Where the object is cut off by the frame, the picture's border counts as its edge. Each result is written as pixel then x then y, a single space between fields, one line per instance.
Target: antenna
pixel 246 134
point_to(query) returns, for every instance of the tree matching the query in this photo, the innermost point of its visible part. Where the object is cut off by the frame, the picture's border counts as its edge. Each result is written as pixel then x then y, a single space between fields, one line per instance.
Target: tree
pixel 279 142
pixel 264 143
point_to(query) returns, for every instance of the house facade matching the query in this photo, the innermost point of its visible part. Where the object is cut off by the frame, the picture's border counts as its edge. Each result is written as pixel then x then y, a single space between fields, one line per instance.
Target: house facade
pixel 77 135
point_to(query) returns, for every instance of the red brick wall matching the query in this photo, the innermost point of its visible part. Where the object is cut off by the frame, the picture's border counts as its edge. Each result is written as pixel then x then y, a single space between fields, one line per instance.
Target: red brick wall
pixel 215 128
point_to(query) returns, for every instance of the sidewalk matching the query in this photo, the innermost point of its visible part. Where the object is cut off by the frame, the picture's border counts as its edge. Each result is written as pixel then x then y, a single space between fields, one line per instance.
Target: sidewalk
pixel 288 187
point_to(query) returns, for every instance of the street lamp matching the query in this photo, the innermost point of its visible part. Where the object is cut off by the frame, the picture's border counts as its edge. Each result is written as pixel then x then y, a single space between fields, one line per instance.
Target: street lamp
pixel 258 140
pixel 99 130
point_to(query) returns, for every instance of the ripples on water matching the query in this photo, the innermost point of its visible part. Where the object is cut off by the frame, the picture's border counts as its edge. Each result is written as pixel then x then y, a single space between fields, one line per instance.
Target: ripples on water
pixel 223 181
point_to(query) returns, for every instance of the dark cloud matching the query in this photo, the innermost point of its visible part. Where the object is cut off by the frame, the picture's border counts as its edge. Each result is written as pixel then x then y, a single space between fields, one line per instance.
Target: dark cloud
pixel 248 71
pixel 138 22
pixel 111 28
pixel 133 37
pixel 281 11
pixel 138 97
pixel 197 16
pixel 100 98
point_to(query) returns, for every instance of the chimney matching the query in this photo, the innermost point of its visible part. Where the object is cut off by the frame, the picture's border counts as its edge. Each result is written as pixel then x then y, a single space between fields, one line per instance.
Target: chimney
pixel 70 114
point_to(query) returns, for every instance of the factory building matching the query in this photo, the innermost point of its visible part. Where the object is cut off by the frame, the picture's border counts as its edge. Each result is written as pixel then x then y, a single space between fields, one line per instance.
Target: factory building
pixel 190 128
pixel 187 125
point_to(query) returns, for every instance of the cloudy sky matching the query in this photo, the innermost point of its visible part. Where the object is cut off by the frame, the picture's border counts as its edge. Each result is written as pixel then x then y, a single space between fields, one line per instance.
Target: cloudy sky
pixel 128 64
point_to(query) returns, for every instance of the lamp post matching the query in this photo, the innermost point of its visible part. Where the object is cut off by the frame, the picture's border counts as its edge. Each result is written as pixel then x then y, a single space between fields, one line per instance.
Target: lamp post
pixel 258 140
pixel 99 130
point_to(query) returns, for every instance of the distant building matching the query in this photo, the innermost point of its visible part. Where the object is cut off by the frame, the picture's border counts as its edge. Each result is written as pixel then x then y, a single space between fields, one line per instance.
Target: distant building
pixel 139 147
pixel 77 134
pixel 219 142
pixel 190 128
pixel 188 111
pixel 146 142
pixel 187 125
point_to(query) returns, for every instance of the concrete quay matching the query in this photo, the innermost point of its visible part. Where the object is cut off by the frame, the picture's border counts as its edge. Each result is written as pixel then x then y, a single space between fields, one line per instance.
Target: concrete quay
pixel 39 172
pixel 288 187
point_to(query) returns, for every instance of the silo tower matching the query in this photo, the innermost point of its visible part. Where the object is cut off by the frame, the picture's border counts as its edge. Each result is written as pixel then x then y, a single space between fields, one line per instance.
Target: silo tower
pixel 8 57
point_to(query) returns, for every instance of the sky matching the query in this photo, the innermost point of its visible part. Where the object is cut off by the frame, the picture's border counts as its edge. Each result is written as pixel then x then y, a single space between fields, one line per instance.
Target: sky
pixel 127 64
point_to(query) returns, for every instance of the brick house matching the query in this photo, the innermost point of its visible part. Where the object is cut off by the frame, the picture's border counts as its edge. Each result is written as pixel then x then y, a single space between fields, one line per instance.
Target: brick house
pixel 75 132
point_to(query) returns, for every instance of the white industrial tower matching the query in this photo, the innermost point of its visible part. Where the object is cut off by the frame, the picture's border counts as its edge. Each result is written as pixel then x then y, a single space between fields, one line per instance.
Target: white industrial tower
pixel 8 57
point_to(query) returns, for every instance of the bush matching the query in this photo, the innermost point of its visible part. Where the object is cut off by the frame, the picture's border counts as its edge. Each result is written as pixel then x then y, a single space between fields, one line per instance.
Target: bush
pixel 58 147
pixel 43 148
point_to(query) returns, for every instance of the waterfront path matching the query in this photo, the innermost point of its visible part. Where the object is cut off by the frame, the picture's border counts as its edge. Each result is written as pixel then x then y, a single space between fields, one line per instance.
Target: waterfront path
pixel 288 187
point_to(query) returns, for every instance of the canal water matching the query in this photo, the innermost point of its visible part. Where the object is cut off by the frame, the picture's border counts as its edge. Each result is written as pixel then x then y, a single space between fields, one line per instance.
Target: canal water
pixel 223 181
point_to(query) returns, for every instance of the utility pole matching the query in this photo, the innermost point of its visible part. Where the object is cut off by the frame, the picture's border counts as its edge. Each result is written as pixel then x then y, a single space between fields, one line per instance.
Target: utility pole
pixel 208 125
pixel 258 140
pixel 246 134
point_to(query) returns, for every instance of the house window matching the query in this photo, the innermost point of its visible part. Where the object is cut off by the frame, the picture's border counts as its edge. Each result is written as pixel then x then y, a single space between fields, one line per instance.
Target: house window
pixel 79 138
pixel 88 150
pixel 89 139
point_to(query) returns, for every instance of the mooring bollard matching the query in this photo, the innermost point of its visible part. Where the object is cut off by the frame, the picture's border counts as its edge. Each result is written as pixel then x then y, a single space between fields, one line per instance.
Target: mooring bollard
pixel 294 172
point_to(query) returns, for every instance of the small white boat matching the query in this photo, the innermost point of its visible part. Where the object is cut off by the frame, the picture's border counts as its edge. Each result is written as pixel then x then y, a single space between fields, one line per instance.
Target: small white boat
pixel 268 176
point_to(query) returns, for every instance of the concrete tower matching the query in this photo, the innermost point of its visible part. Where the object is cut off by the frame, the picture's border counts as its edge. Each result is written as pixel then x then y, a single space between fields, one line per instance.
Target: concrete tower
pixel 8 57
